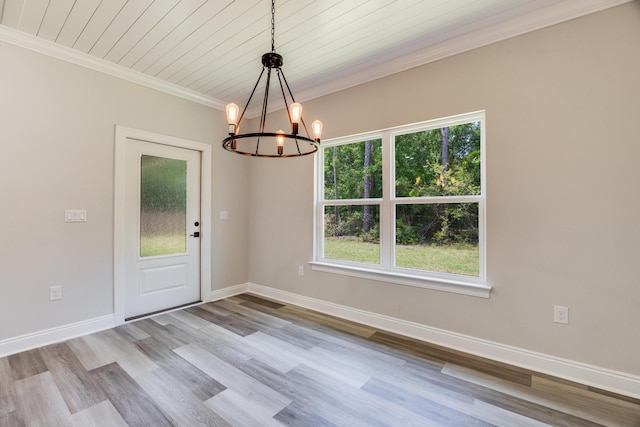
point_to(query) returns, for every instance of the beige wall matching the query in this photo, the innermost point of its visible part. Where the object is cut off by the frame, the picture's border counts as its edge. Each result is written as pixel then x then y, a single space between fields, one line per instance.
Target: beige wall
pixel 563 146
pixel 562 142
pixel 57 138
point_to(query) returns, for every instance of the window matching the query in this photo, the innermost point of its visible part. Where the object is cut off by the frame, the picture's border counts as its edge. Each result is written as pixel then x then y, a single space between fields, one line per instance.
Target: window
pixel 405 205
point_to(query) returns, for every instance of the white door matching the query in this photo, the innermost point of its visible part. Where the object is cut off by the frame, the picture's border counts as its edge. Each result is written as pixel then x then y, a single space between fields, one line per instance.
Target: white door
pixel 162 227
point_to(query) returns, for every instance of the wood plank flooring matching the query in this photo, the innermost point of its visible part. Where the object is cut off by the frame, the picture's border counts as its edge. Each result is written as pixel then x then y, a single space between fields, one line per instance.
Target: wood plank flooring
pixel 248 361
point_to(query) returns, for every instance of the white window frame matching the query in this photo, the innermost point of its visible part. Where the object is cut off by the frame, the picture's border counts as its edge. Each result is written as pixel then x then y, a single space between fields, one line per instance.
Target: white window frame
pixel 386 271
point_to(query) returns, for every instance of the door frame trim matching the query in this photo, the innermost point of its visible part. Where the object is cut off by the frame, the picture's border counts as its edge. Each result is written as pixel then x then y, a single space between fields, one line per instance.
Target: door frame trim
pixel 122 133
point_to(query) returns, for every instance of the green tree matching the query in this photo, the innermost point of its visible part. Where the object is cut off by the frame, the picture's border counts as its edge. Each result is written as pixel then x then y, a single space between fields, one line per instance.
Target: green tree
pixel 438 162
pixel 353 171
pixel 368 182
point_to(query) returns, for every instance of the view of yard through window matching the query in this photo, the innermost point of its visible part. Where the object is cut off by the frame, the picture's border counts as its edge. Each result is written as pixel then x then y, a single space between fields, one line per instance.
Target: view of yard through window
pixel 460 259
pixel 434 212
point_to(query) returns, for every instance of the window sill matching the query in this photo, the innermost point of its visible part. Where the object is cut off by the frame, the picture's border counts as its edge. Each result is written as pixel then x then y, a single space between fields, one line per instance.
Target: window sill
pixel 470 287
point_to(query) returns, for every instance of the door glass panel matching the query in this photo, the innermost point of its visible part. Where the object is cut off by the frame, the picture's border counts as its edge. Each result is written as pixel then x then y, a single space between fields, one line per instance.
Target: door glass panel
pixel 163 206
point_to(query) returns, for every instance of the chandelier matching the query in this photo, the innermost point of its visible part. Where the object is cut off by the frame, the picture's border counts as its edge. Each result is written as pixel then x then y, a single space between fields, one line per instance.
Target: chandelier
pixel 277 144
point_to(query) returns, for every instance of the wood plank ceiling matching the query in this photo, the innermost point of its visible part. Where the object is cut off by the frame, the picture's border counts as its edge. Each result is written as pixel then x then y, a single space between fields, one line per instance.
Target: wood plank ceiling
pixel 213 47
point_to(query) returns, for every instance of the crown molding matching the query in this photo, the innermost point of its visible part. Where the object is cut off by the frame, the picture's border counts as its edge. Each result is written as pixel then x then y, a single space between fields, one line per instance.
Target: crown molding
pixel 383 66
pixel 363 72
pixel 46 47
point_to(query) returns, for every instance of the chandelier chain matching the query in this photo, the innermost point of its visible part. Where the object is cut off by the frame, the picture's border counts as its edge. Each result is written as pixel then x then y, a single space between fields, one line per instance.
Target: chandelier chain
pixel 273 25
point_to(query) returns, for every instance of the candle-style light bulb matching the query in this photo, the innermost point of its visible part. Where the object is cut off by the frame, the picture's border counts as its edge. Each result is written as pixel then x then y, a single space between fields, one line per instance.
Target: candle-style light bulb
pixel 233 112
pixel 280 141
pixel 316 127
pixel 295 112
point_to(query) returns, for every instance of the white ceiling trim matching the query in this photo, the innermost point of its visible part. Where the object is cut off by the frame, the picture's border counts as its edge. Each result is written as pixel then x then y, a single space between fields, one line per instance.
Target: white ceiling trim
pixel 558 12
pixel 73 56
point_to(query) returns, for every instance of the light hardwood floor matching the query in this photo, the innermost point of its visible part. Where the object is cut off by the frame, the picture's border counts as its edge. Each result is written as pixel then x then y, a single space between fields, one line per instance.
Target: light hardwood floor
pixel 247 361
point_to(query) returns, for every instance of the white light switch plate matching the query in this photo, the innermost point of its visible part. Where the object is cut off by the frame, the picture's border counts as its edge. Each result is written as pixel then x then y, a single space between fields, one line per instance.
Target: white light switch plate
pixel 560 314
pixel 75 215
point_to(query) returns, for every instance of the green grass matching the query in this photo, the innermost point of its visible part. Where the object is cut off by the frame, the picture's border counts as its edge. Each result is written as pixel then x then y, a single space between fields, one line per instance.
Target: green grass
pixel 351 249
pixel 458 259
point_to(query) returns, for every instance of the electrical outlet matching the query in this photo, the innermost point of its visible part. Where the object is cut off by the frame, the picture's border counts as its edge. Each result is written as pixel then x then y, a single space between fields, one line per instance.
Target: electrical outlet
pixel 560 314
pixel 300 270
pixel 55 293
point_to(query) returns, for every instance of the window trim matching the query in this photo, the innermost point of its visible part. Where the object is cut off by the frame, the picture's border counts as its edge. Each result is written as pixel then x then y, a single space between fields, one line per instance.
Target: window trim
pixel 386 271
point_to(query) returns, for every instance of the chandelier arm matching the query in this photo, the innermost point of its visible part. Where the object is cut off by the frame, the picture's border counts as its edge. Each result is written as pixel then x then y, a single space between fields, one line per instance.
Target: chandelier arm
pixel 284 97
pixel 263 116
pixel 265 101
pixel 287 85
pixel 251 96
pixel 304 125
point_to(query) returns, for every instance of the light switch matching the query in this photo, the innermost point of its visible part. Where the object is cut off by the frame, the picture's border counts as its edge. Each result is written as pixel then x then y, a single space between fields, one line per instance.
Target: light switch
pixel 75 215
pixel 224 215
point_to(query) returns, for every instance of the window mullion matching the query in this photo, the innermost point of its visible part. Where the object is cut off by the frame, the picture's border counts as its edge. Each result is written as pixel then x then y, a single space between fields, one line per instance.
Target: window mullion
pixel 347 202
pixel 482 242
pixel 387 211
pixel 318 236
pixel 438 200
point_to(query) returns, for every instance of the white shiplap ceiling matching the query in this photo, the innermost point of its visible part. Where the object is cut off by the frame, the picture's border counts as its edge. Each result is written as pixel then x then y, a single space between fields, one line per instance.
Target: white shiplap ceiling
pixel 209 50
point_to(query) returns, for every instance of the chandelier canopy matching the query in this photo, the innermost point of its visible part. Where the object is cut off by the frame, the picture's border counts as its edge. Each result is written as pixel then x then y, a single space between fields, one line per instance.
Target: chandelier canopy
pixel 275 144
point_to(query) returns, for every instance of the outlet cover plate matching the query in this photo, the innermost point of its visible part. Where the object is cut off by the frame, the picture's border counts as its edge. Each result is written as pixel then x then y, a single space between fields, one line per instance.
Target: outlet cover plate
pixel 55 293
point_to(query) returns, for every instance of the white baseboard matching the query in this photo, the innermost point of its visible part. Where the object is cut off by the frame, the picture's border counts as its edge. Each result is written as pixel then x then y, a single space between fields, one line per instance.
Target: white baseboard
pixel 61 333
pixel 53 335
pixel 602 378
pixel 228 292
